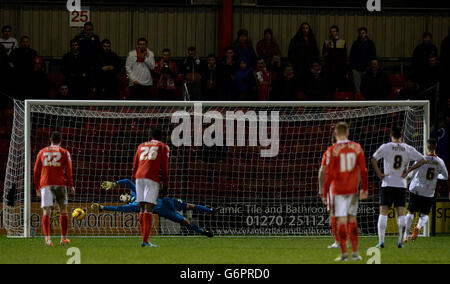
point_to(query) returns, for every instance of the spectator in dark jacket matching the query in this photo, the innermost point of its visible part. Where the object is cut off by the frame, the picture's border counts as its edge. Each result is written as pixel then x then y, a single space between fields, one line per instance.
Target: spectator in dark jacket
pixel 421 54
pixel 375 83
pixel 410 91
pixel 316 86
pixel 286 85
pixel 445 61
pixel 211 79
pixel 167 73
pixel 362 51
pixel 243 93
pixel 39 81
pixel 75 68
pixel 267 47
pixel 303 50
pixel 228 67
pixel 191 70
pixel 108 69
pixel 243 48
pixel 335 52
pixel 22 57
pixel 259 81
pixel 89 43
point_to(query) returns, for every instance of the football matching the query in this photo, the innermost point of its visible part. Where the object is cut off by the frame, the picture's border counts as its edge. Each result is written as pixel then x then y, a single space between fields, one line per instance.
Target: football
pixel 78 214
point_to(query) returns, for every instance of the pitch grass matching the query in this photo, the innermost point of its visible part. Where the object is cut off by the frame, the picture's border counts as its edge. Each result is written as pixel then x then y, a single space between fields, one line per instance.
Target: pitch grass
pixel 217 250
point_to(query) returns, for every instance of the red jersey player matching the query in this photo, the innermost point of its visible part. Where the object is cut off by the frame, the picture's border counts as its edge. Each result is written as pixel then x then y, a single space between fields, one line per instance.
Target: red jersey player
pixel 52 176
pixel 346 166
pixel 336 243
pixel 150 163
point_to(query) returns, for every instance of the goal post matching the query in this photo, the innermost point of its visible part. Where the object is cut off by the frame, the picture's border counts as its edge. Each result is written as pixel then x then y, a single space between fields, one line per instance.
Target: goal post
pixel 256 161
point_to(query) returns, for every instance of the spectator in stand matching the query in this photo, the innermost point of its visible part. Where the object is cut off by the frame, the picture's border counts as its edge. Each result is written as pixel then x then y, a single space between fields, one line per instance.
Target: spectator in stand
pixel 167 72
pixel 410 91
pixel 108 69
pixel 63 92
pixel 259 81
pixel 422 53
pixel 445 61
pixel 375 84
pixel 75 68
pixel 228 67
pixel 335 53
pixel 21 61
pixel 285 86
pixel 267 48
pixel 316 87
pixel 362 51
pixel 242 90
pixel 22 57
pixel 243 48
pixel 431 74
pixel 4 70
pixel 211 76
pixel 39 82
pixel 140 63
pixel 303 50
pixel 89 43
pixel 7 40
pixel 191 71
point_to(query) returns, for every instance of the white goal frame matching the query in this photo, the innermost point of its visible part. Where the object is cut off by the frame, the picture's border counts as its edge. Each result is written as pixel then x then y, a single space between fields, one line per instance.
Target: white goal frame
pixel 30 103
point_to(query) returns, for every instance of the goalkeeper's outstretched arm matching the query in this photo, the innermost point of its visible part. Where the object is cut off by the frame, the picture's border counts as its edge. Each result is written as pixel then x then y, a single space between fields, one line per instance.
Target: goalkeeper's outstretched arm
pixel 128 183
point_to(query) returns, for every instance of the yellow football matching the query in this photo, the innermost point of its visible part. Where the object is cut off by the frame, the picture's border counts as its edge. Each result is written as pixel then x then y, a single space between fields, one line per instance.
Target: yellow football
pixel 78 214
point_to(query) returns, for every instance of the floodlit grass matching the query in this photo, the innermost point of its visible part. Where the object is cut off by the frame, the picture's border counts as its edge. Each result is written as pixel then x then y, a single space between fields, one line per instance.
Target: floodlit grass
pixel 217 250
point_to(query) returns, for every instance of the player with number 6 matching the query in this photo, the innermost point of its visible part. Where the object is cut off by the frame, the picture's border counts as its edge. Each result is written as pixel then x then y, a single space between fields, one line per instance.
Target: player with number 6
pixel 151 164
pixel 396 157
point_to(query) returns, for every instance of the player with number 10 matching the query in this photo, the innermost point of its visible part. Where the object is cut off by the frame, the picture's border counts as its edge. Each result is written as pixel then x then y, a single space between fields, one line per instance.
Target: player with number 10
pixel 345 168
pixel 151 164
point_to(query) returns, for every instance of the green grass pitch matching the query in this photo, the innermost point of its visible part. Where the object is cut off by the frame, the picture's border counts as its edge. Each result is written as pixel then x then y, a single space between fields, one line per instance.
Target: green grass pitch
pixel 217 250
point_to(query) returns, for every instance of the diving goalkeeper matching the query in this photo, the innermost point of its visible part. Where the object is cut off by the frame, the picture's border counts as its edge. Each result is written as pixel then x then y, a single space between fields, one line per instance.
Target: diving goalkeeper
pixel 166 208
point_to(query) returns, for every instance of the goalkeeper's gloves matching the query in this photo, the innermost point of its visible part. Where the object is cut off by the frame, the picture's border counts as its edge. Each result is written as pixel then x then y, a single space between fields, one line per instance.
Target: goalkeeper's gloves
pixel 164 191
pixel 107 185
pixel 96 207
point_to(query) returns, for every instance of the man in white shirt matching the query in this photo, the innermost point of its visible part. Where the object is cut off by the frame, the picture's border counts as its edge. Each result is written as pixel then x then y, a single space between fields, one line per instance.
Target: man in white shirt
pixel 396 158
pixel 140 63
pixel 7 40
pixel 422 188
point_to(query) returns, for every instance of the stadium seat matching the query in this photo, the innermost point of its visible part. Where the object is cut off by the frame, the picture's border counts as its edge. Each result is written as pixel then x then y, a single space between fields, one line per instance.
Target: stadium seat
pixel 343 96
pixel 397 80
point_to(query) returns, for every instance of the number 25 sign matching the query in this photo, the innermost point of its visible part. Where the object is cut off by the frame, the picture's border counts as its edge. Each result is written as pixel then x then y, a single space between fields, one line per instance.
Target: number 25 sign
pixel 79 18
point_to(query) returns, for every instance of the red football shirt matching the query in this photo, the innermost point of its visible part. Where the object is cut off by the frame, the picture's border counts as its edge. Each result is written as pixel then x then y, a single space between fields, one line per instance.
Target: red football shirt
pixel 345 163
pixel 152 161
pixel 53 167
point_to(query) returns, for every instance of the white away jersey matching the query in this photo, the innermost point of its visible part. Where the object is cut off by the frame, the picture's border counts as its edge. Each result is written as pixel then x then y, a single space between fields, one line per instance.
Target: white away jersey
pixel 425 177
pixel 396 158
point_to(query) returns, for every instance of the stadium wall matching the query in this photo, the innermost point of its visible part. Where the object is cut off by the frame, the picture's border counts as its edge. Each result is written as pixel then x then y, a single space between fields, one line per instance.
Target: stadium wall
pixel 395 33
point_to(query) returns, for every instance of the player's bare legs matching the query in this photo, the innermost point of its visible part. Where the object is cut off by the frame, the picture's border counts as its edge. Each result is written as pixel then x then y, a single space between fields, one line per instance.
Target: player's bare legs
pixel 382 224
pixel 401 223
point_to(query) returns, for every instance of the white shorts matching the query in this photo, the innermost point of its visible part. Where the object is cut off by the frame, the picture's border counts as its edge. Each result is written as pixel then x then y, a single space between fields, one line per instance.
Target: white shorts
pixel 344 205
pixel 52 192
pixel 147 191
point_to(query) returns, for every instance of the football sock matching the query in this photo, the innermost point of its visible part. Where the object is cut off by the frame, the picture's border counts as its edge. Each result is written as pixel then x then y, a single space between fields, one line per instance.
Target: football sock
pixel 422 221
pixel 46 227
pixel 141 225
pixel 202 209
pixel 409 220
pixel 196 228
pixel 148 222
pixel 382 223
pixel 353 232
pixel 334 229
pixel 342 231
pixel 63 219
pixel 401 225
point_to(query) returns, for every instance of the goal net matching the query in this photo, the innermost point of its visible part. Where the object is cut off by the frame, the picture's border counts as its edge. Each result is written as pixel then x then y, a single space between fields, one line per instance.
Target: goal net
pixel 256 162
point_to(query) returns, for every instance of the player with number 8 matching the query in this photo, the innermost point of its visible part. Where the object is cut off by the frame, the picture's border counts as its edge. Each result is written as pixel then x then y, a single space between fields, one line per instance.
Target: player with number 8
pixel 151 164
pixel 396 157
